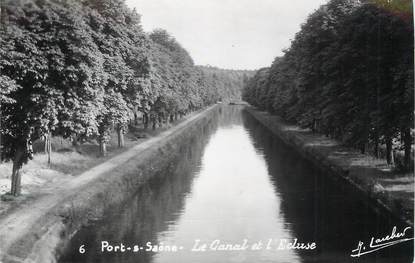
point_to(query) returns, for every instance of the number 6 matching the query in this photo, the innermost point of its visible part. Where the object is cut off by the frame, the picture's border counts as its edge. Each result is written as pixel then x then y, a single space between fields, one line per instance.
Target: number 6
pixel 82 249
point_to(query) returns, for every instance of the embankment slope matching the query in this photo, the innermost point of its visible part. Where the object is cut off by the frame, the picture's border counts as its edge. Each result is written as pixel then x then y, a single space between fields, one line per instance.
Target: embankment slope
pixel 384 189
pixel 36 232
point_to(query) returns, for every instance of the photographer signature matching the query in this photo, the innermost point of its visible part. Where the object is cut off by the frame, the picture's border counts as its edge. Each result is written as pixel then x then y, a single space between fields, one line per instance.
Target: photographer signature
pixel 382 242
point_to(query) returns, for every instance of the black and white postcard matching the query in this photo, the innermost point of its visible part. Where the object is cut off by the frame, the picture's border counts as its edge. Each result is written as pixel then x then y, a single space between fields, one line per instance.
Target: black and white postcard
pixel 206 131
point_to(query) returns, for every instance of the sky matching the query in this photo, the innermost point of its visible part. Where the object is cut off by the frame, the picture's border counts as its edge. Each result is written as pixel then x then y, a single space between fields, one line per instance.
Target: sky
pixel 231 34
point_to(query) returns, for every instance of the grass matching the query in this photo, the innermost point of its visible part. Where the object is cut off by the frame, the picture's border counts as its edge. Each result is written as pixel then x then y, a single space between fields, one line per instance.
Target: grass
pixel 40 178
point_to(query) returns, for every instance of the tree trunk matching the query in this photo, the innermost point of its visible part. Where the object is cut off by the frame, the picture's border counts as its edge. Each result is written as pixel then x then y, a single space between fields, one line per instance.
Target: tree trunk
pixel 120 133
pixel 16 186
pixel 135 118
pixel 407 140
pixel 364 145
pixel 75 142
pixel 1 142
pixel 145 120
pixel 362 148
pixel 341 133
pixel 389 153
pixel 48 145
pixel 376 146
pixel 102 147
pixel 154 124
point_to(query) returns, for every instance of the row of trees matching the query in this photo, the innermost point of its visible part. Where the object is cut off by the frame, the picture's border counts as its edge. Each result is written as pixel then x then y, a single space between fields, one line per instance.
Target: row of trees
pixel 80 68
pixel 226 82
pixel 348 74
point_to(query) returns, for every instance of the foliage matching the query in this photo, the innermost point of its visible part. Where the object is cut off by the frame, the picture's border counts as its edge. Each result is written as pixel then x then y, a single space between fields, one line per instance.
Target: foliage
pixel 80 68
pixel 348 74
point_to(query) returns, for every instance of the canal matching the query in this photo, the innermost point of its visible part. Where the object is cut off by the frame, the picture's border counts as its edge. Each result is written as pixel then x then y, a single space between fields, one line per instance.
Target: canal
pixel 246 195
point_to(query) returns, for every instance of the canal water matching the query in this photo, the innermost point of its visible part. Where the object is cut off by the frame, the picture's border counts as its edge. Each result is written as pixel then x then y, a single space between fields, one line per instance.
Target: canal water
pixel 241 195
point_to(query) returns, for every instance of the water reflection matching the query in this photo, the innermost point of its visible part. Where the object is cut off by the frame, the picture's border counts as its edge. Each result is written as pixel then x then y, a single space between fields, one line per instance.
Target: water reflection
pixel 319 207
pixel 232 199
pixel 232 180
pixel 153 209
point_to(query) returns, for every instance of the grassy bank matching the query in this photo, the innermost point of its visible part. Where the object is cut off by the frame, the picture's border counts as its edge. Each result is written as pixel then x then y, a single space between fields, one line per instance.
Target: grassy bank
pixel 385 187
pixel 40 227
pixel 40 178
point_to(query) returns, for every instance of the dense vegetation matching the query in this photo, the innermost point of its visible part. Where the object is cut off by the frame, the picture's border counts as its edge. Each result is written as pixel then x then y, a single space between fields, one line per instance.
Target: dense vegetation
pixel 348 74
pixel 82 68
pixel 227 83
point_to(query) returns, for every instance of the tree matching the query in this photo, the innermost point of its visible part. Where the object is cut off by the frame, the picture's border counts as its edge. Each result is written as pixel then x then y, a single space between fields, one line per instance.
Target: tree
pixel 57 77
pixel 80 68
pixel 348 74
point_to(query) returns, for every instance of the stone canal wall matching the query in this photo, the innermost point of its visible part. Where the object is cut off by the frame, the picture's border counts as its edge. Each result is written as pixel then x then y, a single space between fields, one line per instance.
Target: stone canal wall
pixel 40 232
pixel 384 189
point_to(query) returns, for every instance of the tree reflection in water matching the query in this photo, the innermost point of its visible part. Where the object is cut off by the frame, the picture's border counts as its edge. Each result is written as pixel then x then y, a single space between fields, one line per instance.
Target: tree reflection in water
pixel 156 204
pixel 322 208
pixel 240 182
